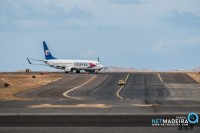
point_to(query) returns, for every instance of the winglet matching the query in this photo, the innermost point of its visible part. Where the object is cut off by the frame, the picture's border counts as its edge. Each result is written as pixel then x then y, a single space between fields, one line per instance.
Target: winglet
pixel 29 61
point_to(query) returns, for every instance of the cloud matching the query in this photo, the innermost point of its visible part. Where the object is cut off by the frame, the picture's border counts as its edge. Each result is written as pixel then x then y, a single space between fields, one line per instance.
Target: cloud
pixel 108 28
pixel 36 15
pixel 127 1
pixel 171 43
pixel 76 12
pixel 88 54
pixel 183 19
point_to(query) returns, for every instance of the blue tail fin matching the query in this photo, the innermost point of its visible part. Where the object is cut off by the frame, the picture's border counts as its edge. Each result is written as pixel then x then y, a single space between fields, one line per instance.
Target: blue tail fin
pixel 47 52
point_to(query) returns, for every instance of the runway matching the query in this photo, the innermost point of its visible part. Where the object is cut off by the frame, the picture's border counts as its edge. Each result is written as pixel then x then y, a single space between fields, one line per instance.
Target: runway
pixel 90 93
pixel 144 94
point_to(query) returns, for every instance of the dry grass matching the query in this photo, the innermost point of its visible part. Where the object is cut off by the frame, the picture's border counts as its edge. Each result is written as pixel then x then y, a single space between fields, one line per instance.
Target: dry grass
pixel 22 82
pixel 195 76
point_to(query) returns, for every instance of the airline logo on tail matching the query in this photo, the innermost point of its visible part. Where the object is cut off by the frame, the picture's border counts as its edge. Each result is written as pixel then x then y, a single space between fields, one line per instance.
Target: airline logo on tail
pixel 47 52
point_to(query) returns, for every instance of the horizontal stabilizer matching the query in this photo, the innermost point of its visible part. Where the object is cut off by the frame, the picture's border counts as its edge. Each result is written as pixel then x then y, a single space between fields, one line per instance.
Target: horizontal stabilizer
pixel 29 61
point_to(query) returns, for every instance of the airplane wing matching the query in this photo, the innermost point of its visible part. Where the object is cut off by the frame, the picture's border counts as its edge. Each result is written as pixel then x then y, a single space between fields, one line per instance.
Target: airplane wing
pixel 29 61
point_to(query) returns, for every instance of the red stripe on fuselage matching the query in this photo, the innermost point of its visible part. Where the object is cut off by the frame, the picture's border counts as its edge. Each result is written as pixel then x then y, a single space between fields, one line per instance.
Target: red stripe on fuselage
pixel 92 64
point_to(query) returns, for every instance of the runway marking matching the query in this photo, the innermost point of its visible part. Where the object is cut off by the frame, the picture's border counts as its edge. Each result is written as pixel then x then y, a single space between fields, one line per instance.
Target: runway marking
pixel 161 80
pixel 145 105
pixel 154 105
pixel 71 106
pixel 118 95
pixel 90 114
pixel 65 94
pixel 103 106
pixel 179 105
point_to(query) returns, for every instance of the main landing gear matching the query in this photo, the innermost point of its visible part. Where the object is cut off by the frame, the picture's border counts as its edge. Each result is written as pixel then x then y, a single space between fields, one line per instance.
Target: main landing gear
pixel 77 71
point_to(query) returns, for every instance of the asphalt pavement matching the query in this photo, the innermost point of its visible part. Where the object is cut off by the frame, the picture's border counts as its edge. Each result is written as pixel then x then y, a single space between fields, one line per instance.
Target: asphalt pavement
pixel 76 94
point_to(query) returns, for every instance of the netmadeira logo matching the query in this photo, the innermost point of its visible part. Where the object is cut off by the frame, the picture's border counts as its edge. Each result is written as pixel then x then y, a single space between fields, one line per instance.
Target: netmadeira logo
pixel 193 118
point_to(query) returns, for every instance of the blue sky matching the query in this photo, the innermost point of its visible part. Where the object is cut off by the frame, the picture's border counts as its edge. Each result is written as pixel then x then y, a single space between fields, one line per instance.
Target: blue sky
pixel 143 34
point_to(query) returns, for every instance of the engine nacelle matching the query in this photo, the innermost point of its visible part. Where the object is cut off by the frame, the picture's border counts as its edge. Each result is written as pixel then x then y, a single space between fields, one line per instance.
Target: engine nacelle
pixel 68 69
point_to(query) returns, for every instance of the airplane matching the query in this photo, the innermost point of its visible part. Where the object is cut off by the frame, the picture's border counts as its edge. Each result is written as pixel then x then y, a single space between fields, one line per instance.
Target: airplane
pixel 68 65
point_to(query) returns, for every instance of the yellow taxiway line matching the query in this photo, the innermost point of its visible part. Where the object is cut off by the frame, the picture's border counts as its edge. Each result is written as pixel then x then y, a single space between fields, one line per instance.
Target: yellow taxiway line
pixel 71 106
pixel 118 95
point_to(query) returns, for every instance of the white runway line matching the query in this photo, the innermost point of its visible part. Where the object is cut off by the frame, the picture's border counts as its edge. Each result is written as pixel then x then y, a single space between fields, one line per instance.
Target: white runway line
pixel 118 95
pixel 161 80
pixel 65 94
pixel 119 91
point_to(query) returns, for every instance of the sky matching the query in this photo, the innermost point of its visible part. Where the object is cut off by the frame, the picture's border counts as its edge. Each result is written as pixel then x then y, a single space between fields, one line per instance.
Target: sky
pixel 143 34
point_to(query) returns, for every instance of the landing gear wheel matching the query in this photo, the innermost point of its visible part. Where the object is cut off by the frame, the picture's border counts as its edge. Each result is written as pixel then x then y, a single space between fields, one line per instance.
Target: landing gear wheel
pixel 77 71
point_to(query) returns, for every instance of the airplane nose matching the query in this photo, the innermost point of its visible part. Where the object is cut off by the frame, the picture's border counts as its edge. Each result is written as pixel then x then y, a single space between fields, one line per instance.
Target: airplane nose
pixel 101 66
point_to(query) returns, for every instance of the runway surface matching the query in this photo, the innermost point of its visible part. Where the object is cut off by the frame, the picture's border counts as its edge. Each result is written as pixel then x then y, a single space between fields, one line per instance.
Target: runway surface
pixel 100 93
pixel 143 93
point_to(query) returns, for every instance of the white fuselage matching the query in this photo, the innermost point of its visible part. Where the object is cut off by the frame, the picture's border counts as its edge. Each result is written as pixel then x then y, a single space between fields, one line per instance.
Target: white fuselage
pixel 70 65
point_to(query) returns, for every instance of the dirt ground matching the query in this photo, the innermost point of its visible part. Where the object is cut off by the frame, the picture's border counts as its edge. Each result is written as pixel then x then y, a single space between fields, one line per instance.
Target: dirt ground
pixel 21 82
pixel 195 76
